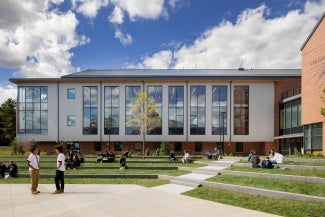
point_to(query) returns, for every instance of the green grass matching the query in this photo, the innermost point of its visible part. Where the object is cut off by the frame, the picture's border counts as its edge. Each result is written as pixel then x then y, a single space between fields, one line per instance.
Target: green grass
pixel 305 163
pixel 316 189
pixel 142 182
pixel 283 207
pixel 313 173
pixel 5 151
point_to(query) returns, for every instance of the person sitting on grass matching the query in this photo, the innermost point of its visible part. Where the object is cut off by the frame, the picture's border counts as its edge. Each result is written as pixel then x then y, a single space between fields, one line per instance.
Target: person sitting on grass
pixel 2 169
pixel 267 164
pixel 11 170
pixel 276 158
pixel 172 156
pixel 123 162
pixel 186 158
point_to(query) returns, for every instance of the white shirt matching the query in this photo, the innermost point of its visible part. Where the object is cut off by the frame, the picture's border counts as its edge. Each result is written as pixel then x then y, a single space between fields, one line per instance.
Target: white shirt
pixel 33 161
pixel 61 158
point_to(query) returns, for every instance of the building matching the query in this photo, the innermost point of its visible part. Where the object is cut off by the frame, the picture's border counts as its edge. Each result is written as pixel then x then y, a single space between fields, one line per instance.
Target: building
pixel 313 84
pixel 235 109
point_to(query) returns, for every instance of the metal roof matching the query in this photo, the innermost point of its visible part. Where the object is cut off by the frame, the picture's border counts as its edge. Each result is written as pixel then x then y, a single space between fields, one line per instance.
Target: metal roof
pixel 140 73
pixel 169 74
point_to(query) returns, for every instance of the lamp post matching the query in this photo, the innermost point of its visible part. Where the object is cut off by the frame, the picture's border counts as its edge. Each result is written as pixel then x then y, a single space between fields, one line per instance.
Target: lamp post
pixel 223 132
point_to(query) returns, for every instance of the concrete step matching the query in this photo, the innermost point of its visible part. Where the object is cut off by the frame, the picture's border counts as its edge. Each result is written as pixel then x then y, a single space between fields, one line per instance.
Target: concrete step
pixel 190 184
pixel 173 188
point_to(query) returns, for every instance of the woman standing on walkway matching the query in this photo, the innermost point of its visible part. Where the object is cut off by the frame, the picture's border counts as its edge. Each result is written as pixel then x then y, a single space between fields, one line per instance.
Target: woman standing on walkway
pixel 60 168
pixel 33 165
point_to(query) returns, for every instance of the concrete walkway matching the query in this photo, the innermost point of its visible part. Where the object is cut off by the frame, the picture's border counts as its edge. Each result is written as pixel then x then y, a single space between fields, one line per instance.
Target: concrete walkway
pixel 109 201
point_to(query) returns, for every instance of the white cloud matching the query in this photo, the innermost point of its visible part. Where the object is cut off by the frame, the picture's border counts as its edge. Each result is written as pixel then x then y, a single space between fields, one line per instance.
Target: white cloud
pixel 89 8
pixel 7 91
pixel 125 39
pixel 160 60
pixel 117 16
pixel 141 8
pixel 39 46
pixel 253 40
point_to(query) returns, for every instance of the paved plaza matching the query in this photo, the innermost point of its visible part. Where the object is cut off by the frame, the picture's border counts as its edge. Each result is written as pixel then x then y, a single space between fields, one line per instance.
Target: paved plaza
pixel 109 200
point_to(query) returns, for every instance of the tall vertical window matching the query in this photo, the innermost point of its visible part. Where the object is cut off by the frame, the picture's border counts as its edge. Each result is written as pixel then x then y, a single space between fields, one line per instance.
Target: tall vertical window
pixel 112 108
pixel 90 110
pixel 219 110
pixel 197 110
pixel 131 93
pixel 32 110
pixel 155 94
pixel 176 110
pixel 241 110
pixel 313 136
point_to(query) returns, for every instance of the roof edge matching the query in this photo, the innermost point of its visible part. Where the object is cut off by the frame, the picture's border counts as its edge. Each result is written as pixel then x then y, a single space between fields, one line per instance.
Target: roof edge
pixel 312 32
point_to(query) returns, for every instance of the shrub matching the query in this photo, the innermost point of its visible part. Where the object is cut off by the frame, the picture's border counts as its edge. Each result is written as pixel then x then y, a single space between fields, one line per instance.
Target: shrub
pixel 164 148
pixel 16 148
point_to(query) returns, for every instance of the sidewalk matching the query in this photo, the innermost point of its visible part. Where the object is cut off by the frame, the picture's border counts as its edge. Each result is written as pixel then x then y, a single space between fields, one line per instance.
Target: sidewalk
pixel 111 201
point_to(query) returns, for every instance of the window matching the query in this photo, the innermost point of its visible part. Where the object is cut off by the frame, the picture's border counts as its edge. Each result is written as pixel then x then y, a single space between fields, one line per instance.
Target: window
pixel 90 110
pixel 138 146
pixel 197 110
pixel 198 147
pixel 131 93
pixel 239 147
pixel 155 94
pixel 71 120
pixel 73 146
pixel 97 146
pixel 176 110
pixel 178 146
pixel 32 110
pixel 71 93
pixel 290 117
pixel 112 110
pixel 219 110
pixel 118 146
pixel 241 110
pixel 313 136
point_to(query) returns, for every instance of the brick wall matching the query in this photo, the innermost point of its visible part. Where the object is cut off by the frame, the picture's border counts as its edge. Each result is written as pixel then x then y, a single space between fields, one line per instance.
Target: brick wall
pixel 313 78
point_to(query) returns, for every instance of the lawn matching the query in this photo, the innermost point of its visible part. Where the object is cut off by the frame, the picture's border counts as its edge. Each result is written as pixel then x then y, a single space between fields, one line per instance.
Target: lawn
pixel 316 189
pixel 283 207
pixel 313 173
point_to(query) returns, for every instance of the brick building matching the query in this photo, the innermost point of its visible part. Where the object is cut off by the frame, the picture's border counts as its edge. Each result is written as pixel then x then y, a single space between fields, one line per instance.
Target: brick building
pixel 235 109
pixel 313 84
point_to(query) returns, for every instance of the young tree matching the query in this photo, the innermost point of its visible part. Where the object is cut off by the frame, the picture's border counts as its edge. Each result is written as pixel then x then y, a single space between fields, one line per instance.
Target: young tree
pixel 8 119
pixel 144 118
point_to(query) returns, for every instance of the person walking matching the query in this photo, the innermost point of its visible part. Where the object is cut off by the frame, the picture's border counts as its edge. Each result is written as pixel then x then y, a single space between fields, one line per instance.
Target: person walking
pixel 34 167
pixel 60 168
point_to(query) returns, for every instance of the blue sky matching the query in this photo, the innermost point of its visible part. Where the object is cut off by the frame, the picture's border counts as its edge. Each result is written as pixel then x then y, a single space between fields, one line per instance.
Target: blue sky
pixel 51 38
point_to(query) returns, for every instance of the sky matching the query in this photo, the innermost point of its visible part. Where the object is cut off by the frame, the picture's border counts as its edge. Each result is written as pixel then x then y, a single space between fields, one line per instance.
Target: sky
pixel 52 38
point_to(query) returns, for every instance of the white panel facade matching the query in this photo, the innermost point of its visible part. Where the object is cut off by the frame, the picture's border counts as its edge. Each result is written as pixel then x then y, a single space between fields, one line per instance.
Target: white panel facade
pixel 261 113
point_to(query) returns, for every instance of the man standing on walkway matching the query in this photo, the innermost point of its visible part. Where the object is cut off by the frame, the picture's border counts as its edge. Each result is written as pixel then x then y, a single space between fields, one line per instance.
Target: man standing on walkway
pixel 34 167
pixel 60 168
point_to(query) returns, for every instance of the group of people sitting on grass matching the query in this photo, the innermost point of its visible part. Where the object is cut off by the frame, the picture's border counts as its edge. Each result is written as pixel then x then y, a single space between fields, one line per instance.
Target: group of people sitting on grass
pixel 210 155
pixel 74 161
pixel 8 171
pixel 107 157
pixel 268 162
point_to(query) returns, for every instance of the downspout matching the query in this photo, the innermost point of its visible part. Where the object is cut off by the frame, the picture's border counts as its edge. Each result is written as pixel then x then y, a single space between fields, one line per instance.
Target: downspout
pixel 101 112
pixel 58 103
pixel 186 106
pixel 230 109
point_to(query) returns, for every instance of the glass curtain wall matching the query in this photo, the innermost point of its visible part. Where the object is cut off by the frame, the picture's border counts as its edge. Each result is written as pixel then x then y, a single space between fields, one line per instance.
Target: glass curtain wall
pixel 176 110
pixel 90 110
pixel 219 110
pixel 112 110
pixel 155 94
pixel 241 110
pixel 197 110
pixel 131 93
pixel 33 110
